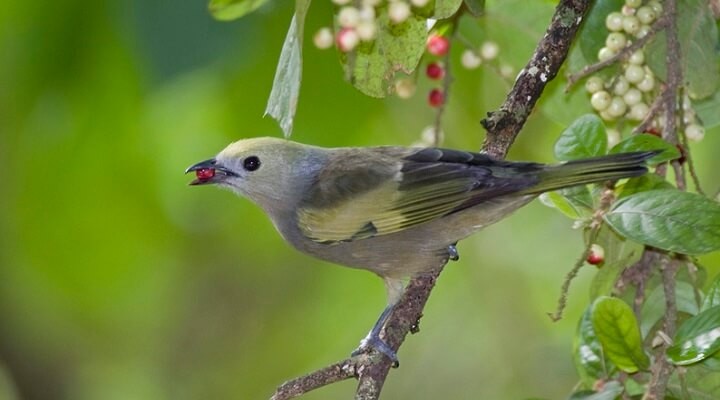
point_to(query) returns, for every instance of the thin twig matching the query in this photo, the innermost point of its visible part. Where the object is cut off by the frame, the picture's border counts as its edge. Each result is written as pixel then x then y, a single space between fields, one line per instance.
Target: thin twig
pixel 620 55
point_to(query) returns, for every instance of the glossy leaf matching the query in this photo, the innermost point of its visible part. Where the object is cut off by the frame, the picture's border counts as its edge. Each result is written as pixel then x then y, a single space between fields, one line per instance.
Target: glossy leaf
pixel 698 37
pixel 285 92
pixel 712 298
pixel 398 47
pixel 226 10
pixel 697 338
pixel 588 353
pixel 582 139
pixel 618 332
pixel 446 8
pixel 706 110
pixel 647 142
pixel 654 306
pixel 643 183
pixel 620 253
pixel 574 202
pixel 668 219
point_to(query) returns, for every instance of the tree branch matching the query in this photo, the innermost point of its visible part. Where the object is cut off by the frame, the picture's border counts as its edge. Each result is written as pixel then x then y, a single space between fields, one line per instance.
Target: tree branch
pixel 504 125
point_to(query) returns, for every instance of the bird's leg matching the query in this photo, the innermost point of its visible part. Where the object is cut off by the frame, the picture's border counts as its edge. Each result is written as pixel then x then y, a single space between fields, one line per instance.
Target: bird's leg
pixel 453 252
pixel 372 340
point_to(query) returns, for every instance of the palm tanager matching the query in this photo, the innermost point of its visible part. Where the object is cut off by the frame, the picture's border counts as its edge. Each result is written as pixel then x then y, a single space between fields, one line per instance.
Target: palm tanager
pixel 395 211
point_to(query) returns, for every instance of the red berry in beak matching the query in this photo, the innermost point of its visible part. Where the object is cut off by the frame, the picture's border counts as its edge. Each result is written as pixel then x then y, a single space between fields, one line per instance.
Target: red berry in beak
pixel 204 174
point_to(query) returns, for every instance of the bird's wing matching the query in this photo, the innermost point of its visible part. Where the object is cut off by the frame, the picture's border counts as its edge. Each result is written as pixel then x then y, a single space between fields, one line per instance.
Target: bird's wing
pixel 365 194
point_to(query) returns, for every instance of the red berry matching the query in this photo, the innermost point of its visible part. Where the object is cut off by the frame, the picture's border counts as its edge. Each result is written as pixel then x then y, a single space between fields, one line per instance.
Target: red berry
pixel 204 174
pixel 435 71
pixel 438 45
pixel 596 256
pixel 436 98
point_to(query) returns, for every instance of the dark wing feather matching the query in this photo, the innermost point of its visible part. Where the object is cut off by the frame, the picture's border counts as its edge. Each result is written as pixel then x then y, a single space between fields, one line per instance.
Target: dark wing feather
pixel 372 192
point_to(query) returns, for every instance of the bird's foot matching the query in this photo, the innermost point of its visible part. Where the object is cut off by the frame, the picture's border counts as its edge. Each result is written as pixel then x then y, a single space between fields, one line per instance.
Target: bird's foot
pixel 373 342
pixel 453 253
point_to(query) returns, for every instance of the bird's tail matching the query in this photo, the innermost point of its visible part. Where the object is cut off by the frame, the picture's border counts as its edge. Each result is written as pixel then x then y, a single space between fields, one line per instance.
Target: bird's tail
pixel 591 170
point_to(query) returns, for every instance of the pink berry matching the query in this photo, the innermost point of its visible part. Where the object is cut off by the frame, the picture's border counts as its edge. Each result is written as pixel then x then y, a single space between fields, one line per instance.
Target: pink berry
pixel 436 98
pixel 438 45
pixel 347 39
pixel 204 174
pixel 435 71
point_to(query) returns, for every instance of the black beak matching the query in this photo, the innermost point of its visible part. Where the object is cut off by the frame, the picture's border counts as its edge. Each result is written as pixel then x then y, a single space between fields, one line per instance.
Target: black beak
pixel 208 171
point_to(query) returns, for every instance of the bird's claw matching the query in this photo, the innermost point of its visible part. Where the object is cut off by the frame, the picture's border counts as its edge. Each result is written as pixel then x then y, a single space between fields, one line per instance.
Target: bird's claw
pixel 373 342
pixel 453 253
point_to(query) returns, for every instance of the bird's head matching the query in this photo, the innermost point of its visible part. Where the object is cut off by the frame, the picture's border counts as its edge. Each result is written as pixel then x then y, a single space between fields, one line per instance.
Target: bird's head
pixel 268 171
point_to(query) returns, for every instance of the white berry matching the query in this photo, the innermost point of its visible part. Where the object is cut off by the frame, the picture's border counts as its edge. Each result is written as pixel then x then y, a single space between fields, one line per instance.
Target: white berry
pixel 489 50
pixel 614 21
pixel 617 107
pixel 646 15
pixel 631 24
pixel 419 3
pixel 323 38
pixel 341 2
pixel 600 100
pixel 643 31
pixel 366 30
pixel 348 17
pixel 632 97
pixel 634 73
pixel 633 3
pixel 594 84
pixel 604 54
pixel 637 57
pixel 656 6
pixel 398 12
pixel 620 86
pixel 470 59
pixel 647 83
pixel 695 132
pixel 615 41
pixel 404 88
pixel 639 111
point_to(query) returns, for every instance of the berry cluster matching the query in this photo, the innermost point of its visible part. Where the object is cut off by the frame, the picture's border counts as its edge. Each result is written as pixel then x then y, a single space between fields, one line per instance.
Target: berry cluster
pixel 626 95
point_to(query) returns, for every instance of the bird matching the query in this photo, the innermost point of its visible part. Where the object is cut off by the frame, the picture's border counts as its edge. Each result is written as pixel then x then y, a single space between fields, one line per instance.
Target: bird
pixel 395 211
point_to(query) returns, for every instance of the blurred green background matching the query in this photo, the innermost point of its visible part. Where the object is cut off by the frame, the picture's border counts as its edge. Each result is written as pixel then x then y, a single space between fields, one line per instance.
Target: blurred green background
pixel 118 281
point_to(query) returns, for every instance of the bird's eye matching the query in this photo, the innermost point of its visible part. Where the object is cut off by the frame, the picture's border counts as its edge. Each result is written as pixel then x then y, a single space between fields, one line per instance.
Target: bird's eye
pixel 251 163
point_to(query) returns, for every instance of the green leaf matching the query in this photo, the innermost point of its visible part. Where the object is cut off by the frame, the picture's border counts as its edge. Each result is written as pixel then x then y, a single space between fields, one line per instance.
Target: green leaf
pixel 643 183
pixel 647 142
pixel 226 10
pixel 582 139
pixel 700 384
pixel 446 8
pixel 654 306
pixel 398 47
pixel 668 219
pixel 610 391
pixel 588 353
pixel 697 338
pixel 712 298
pixel 575 202
pixel 285 92
pixel 620 253
pixel 618 332
pixel 475 7
pixel 706 110
pixel 698 37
